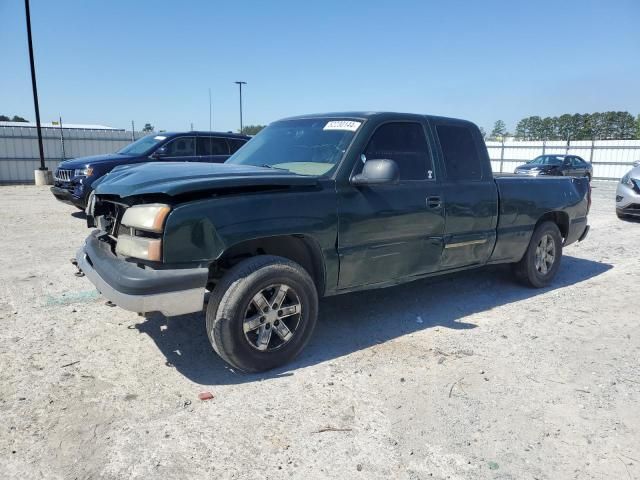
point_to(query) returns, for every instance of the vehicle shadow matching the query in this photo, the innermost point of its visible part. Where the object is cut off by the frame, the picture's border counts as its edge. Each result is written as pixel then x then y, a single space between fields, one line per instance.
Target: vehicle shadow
pixel 79 214
pixel 348 323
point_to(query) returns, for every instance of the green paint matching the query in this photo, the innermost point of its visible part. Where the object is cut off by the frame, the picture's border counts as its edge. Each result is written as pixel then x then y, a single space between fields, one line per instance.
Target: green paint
pixel 493 466
pixel 72 297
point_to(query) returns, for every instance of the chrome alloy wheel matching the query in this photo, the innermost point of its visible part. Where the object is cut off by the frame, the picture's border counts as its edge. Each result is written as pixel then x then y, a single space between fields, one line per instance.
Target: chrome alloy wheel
pixel 272 317
pixel 545 254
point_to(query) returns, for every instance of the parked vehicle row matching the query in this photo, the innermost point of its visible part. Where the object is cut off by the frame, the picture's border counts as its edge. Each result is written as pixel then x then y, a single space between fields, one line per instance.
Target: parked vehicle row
pixel 628 194
pixel 314 206
pixel 73 179
pixel 557 165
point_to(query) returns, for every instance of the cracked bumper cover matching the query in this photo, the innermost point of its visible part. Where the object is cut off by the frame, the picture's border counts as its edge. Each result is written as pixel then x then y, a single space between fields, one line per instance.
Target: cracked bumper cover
pixel 170 292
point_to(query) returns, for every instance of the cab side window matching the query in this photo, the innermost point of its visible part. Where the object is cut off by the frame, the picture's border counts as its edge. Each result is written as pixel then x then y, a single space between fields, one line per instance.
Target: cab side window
pixel 212 146
pixel 460 153
pixel 406 144
pixel 181 147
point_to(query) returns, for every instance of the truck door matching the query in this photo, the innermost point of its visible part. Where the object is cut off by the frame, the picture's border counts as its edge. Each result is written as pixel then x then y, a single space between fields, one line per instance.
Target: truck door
pixel 389 232
pixel 470 195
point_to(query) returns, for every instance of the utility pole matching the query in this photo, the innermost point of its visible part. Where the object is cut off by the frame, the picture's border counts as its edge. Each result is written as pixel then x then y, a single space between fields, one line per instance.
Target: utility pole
pixel 133 131
pixel 210 114
pixel 35 89
pixel 240 85
pixel 62 138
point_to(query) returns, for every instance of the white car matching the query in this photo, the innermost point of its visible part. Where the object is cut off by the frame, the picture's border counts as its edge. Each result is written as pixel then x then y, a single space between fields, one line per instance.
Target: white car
pixel 628 194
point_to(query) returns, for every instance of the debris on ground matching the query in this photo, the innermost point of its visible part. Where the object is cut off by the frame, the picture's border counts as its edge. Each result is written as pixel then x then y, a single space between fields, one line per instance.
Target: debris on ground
pixel 205 396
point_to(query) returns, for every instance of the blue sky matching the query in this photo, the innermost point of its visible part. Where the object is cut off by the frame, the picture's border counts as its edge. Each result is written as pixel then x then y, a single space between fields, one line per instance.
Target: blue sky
pixel 117 61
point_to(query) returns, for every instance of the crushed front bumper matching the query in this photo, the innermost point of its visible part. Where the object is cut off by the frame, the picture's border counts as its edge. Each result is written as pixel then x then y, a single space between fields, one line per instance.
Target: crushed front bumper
pixel 170 292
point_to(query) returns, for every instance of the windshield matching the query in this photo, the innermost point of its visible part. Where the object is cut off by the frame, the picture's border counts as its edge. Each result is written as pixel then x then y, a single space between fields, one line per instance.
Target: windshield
pixel 142 145
pixel 547 160
pixel 310 146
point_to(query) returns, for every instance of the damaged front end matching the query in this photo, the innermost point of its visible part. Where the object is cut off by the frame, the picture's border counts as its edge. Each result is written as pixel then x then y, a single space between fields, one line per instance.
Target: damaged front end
pixel 123 258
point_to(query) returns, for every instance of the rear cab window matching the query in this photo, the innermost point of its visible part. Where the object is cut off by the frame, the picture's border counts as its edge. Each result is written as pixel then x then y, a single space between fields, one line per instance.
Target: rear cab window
pixel 460 151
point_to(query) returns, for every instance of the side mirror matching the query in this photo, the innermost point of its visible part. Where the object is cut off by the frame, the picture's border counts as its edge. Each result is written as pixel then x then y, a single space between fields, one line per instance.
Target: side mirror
pixel 377 172
pixel 160 152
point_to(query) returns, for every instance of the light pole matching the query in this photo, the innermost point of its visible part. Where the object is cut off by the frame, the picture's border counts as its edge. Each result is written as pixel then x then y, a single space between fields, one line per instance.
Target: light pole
pixel 42 176
pixel 240 85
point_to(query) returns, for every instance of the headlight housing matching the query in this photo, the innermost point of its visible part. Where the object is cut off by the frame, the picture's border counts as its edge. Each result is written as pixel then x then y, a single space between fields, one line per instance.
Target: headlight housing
pixel 140 247
pixel 627 180
pixel 144 222
pixel 83 172
pixel 149 217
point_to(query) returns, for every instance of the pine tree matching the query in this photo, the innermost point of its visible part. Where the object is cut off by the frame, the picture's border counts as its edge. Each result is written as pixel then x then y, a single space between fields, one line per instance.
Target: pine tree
pixel 499 130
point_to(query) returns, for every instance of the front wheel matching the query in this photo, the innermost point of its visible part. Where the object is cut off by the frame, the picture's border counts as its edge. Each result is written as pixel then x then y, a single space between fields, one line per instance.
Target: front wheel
pixel 541 261
pixel 262 313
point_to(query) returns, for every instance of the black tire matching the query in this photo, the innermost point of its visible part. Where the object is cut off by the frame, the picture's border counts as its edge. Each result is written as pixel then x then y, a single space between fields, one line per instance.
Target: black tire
pixel 588 175
pixel 527 271
pixel 233 296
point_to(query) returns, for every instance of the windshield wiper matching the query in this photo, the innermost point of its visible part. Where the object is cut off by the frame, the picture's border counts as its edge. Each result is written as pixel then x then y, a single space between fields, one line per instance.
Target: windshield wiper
pixel 266 165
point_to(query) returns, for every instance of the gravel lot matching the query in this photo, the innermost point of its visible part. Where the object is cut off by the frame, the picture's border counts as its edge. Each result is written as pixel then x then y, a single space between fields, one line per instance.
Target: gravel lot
pixel 465 376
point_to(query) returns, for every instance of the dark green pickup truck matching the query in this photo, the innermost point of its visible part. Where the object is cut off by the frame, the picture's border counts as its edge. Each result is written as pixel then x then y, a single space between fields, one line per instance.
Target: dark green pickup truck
pixel 318 205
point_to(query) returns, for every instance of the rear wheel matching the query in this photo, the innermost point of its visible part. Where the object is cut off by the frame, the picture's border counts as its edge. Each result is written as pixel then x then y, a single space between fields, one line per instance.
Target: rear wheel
pixel 541 261
pixel 262 313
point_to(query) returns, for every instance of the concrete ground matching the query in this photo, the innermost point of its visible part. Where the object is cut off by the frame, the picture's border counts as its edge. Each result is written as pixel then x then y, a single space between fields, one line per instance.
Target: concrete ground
pixel 469 376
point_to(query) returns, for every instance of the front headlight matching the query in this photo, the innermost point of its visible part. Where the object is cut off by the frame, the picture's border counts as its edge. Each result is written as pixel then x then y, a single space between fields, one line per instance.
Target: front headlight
pixel 628 181
pixel 143 221
pixel 139 247
pixel 149 217
pixel 83 172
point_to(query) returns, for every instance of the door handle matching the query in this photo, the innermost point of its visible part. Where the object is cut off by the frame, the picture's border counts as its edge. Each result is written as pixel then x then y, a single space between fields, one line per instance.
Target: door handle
pixel 434 202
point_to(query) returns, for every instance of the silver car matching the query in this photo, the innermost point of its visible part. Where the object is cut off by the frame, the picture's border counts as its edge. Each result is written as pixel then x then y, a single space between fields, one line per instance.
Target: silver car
pixel 628 195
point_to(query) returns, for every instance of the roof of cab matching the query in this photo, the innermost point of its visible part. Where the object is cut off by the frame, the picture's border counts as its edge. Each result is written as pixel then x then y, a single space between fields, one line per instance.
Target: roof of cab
pixel 364 115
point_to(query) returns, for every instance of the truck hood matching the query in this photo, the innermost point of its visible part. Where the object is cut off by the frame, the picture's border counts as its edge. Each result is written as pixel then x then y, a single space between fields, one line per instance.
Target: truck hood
pixel 175 178
pixel 92 160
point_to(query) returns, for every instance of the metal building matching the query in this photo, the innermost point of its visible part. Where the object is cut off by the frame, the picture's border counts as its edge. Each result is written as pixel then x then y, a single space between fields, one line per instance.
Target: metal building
pixel 19 155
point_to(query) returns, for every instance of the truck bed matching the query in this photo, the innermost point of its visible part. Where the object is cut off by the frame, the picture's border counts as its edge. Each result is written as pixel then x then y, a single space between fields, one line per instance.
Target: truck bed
pixel 523 201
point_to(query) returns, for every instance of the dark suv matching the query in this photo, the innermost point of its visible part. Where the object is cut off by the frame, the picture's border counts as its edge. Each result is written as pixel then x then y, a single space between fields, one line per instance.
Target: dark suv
pixel 73 178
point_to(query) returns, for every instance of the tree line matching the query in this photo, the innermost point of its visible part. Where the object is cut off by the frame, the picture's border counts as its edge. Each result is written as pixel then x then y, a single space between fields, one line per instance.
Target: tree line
pixel 587 126
pixel 15 118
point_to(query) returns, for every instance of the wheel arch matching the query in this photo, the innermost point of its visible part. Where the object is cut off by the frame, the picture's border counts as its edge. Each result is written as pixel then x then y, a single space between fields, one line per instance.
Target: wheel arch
pixel 561 219
pixel 298 248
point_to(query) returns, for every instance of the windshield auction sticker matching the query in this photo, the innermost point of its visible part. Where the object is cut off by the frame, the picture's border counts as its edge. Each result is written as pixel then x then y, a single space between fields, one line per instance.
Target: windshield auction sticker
pixel 348 125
